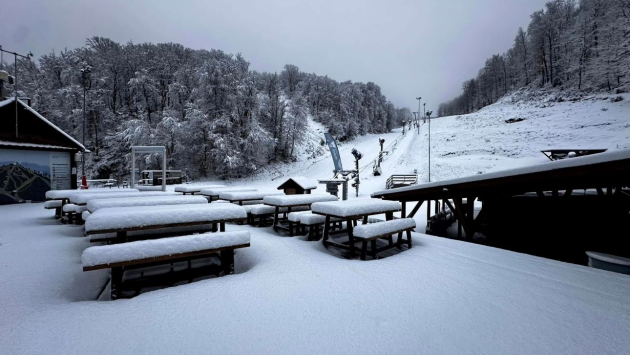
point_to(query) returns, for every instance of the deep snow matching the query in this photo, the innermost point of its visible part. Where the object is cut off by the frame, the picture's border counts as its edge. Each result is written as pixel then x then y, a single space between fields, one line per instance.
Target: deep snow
pixel 292 296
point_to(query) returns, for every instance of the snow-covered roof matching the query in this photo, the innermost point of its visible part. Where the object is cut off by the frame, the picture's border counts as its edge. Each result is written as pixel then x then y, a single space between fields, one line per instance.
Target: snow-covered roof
pixel 305 183
pixel 32 145
pixel 28 108
pixel 548 166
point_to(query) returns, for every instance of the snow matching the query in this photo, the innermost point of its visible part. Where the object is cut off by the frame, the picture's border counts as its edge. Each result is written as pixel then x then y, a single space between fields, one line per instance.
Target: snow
pixel 440 297
pixel 247 195
pixel 70 207
pixel 85 215
pixel 195 188
pixel 295 216
pixel 305 183
pixel 109 254
pixel 371 230
pixel 33 145
pixel 356 207
pixel 312 219
pixel 295 200
pixel 65 194
pixel 142 216
pixel 613 259
pixel 96 204
pixel 264 209
pixel 52 204
pixel 82 199
pixel 217 190
pixel 548 166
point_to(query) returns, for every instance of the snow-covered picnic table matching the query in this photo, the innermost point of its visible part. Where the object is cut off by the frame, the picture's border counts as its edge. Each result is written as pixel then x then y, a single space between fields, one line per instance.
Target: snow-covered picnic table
pixel 96 204
pixel 192 189
pixel 121 220
pixel 82 199
pixel 292 201
pixel 243 196
pixel 66 194
pixel 350 211
pixel 213 193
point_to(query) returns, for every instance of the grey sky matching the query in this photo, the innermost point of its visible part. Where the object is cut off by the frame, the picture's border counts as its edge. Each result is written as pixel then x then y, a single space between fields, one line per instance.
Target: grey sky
pixel 409 48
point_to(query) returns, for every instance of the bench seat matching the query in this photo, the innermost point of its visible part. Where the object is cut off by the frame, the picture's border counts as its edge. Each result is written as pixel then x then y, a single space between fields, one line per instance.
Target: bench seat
pixel 52 204
pixel 371 232
pixel 163 251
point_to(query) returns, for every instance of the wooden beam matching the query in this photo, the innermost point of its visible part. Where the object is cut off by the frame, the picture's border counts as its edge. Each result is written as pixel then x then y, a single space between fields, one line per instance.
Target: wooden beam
pixel 415 209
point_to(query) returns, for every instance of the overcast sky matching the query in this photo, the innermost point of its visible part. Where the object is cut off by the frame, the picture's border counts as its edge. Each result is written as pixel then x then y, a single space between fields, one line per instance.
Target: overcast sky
pixel 409 48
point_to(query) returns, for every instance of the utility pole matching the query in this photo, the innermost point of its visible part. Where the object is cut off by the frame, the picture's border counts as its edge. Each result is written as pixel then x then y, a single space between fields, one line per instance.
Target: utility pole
pixel 85 75
pixel 429 118
pixel 15 85
pixel 419 98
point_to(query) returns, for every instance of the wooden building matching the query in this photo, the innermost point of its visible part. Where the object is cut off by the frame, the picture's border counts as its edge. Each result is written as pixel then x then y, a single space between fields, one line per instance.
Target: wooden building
pixel 558 209
pixel 298 186
pixel 35 155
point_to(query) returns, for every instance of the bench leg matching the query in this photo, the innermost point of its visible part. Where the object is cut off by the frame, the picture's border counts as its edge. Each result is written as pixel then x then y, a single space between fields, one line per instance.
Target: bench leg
pixel 291 229
pixel 399 240
pixel 227 261
pixel 350 238
pixel 116 281
pixel 373 245
pixel 363 249
pixel 214 227
pixel 390 239
pixel 326 230
pixel 58 212
pixel 310 233
pixel 222 226
pixel 409 239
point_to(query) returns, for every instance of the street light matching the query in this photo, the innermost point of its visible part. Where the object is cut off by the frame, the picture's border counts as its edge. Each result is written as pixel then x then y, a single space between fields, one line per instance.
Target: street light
pixel 85 76
pixel 428 113
pixel 418 98
pixel 15 85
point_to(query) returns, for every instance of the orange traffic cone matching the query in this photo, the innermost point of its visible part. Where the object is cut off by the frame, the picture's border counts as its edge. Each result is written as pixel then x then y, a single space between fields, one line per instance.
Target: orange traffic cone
pixel 84 184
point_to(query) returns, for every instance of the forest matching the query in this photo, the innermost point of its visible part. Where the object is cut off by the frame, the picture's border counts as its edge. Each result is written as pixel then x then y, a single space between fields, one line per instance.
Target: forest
pixel 568 45
pixel 215 115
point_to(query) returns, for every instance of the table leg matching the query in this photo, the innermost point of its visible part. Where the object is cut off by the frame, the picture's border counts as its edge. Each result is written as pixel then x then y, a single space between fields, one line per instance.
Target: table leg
pixel 350 237
pixel 389 216
pixel 222 227
pixel 275 217
pixel 326 230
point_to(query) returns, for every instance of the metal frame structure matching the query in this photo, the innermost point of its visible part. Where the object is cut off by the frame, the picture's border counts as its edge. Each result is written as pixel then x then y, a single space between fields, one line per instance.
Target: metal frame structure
pixel 147 150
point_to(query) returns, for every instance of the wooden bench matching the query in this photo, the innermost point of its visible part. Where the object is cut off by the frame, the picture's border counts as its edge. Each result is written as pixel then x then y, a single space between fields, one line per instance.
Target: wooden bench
pixel 372 232
pixel 54 205
pixel 155 218
pixel 314 222
pixel 213 193
pixel 148 253
pixel 72 213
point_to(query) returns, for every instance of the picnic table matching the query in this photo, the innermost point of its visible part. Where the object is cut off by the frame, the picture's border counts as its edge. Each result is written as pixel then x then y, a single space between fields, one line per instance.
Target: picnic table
pixel 349 211
pixel 193 189
pixel 292 201
pixel 240 197
pixel 66 194
pixel 557 154
pixel 82 199
pixel 98 203
pixel 213 193
pixel 121 220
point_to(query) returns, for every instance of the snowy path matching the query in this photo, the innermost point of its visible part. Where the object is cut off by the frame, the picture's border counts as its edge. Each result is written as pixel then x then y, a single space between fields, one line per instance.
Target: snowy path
pixel 291 296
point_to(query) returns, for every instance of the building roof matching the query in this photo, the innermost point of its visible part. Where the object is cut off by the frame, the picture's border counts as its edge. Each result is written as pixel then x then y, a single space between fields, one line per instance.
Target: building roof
pixel 592 171
pixel 306 184
pixel 44 120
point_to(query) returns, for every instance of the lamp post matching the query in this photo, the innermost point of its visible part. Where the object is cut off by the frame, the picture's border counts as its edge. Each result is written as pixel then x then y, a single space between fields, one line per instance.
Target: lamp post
pixel 85 76
pixel 15 85
pixel 428 113
pixel 419 98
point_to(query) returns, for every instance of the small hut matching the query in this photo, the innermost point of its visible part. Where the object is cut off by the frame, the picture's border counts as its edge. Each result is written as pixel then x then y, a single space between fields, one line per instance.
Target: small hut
pixel 298 186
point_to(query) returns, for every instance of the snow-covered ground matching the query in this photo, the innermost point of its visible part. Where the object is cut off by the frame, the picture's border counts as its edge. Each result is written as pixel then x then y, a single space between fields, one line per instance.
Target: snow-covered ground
pixel 293 296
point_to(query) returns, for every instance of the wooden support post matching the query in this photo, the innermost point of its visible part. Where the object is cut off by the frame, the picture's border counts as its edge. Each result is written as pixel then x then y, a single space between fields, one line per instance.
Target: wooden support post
pixel 222 226
pixel 415 209
pixel 350 237
pixel 403 211
pixel 428 210
pixel 227 261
